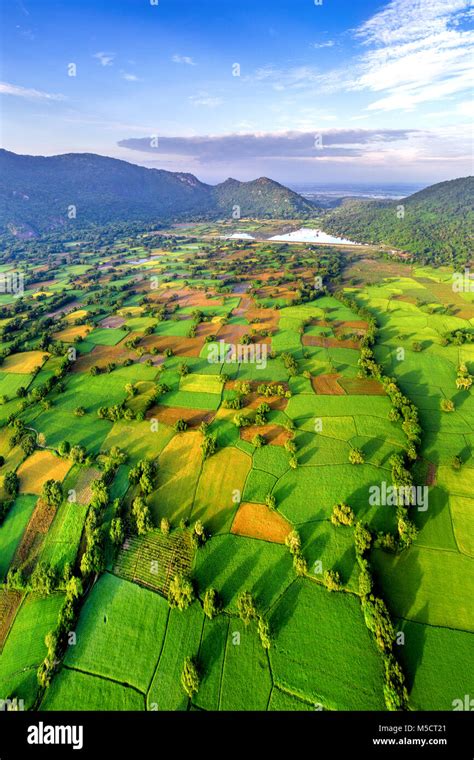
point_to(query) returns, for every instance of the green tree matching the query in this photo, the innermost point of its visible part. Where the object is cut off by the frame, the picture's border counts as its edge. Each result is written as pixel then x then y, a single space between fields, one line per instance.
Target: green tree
pixel 181 592
pixel 190 677
pixel 211 603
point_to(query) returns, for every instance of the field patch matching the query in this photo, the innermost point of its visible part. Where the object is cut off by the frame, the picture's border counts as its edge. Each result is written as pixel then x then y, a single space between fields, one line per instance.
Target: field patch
pixel 73 690
pixel 179 466
pixel 223 474
pixel 119 633
pixel 154 559
pixel 13 528
pixel 231 563
pixel 246 679
pixel 40 467
pixel 258 521
pixel 24 363
pixel 9 604
pixel 428 586
pixel 323 651
pixel 183 636
pixel 25 649
pixel 439 663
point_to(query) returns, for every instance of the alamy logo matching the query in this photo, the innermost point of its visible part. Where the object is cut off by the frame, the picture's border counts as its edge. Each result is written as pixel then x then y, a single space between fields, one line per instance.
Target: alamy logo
pixel 12 705
pixel 463 704
pixel 42 734
pixel 463 282
pixel 228 353
pixel 12 283
pixel 392 496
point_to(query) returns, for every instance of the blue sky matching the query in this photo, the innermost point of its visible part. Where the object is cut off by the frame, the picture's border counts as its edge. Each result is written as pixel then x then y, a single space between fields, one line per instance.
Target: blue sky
pixel 340 91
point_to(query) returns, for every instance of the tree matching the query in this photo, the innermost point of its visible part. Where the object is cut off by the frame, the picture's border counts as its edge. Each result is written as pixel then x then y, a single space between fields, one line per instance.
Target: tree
pixel 293 542
pixel 208 445
pixel 264 632
pixel 117 533
pixel 362 539
pixel 270 501
pixel 300 565
pixel 141 513
pixel 199 533
pixel 52 493
pixel 190 677
pixel 258 441
pixel 332 580
pixel 181 592
pixel 165 526
pixel 180 426
pixel 342 514
pixel 356 456
pixel 447 405
pixel 11 483
pixel 246 607
pixel 211 604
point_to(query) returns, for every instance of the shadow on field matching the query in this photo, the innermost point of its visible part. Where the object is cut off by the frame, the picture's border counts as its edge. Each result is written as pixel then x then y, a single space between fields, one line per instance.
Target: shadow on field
pixel 283 612
pixel 415 646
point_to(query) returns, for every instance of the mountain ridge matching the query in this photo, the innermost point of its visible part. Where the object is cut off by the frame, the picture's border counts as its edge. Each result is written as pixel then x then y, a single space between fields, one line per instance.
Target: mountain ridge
pixel 37 193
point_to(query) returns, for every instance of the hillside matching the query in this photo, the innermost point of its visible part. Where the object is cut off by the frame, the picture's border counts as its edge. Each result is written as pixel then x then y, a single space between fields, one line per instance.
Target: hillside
pixel 438 222
pixel 36 193
pixel 262 197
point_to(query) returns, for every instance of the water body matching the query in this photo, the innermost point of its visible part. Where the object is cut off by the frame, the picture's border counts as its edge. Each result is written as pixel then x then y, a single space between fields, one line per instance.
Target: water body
pixel 239 236
pixel 310 235
pixel 332 193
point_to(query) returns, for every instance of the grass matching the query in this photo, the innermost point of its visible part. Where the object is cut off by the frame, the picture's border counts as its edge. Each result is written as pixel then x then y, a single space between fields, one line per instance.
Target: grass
pixel 73 690
pixel 10 382
pixel 231 563
pixel 12 530
pixel 178 473
pixel 323 651
pixel 246 679
pixel 62 540
pixel 120 632
pixel 428 586
pixel 25 648
pixel 210 661
pixel 106 336
pixel 182 640
pixel 201 384
pixel 220 488
pixel 439 663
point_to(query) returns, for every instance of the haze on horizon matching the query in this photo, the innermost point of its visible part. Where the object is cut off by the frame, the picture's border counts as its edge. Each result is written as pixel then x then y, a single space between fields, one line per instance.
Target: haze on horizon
pixel 374 92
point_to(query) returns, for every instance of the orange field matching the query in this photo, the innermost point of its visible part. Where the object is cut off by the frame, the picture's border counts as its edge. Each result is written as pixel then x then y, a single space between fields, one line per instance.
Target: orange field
pixel 40 467
pixel 258 521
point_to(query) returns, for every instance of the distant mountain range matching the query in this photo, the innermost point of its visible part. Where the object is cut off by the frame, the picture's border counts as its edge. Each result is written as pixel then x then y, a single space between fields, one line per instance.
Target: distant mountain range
pixel 39 194
pixel 436 223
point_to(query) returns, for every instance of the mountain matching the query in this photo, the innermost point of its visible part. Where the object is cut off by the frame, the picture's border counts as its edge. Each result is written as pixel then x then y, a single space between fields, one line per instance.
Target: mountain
pixel 262 198
pixel 436 224
pixel 38 194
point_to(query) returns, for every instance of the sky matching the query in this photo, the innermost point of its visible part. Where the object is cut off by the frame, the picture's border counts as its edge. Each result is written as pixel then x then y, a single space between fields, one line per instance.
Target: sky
pixel 323 91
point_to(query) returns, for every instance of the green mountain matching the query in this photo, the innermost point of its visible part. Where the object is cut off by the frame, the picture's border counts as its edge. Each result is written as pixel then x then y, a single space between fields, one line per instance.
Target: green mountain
pixel 262 198
pixel 437 223
pixel 39 194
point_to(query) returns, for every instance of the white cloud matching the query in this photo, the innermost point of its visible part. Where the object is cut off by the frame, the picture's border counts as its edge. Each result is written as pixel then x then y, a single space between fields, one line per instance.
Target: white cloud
pixel 204 99
pixel 319 45
pixel 183 59
pixel 105 59
pixel 27 92
pixel 129 77
pixel 419 53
